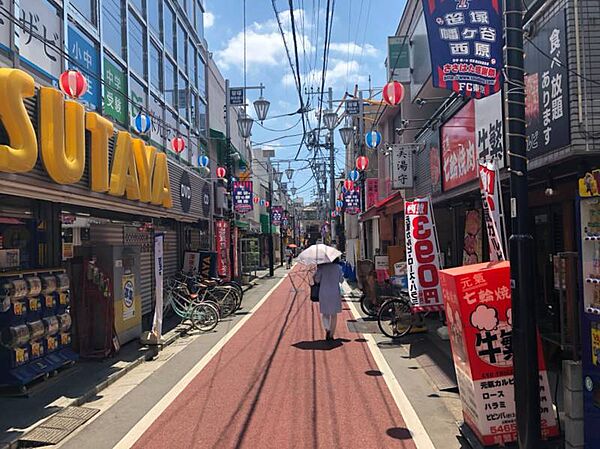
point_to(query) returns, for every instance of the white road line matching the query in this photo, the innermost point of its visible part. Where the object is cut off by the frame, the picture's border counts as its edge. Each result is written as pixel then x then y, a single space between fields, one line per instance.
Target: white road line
pixel 413 423
pixel 143 424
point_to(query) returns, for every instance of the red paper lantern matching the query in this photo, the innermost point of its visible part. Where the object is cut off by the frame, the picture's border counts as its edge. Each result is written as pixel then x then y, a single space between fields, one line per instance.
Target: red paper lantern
pixel 393 93
pixel 348 184
pixel 73 84
pixel 362 163
pixel 178 144
pixel 221 172
pixel 338 209
pixel 267 204
pixel 256 200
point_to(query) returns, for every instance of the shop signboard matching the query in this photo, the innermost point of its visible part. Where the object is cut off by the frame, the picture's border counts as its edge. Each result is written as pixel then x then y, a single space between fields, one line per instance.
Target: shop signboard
pixel 352 107
pixel 185 191
pixel 222 236
pixel 276 215
pixel 472 243
pixel 352 201
pixel 242 197
pixel 382 265
pixel 38 36
pixel 465 43
pixel 459 156
pixel 547 88
pixel 128 295
pixel 158 282
pixel 402 165
pixel 206 199
pixel 191 262
pixel 114 102
pixel 422 256
pixel 137 172
pixel 489 130
pixel 493 215
pixel 5 25
pixel 84 57
pixel 478 310
pixel 398 59
pixel 435 165
pixel 372 185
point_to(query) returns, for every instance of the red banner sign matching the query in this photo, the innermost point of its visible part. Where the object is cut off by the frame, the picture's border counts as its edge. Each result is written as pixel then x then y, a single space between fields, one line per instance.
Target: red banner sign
pixel 459 154
pixel 222 236
pixel 372 191
pixel 422 256
pixel 479 314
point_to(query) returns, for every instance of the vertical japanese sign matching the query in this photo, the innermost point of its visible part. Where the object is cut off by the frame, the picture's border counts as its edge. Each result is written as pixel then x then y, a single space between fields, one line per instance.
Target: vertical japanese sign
pixel 472 243
pixel 493 215
pixel 38 36
pixel 372 186
pixel 479 315
pixel 222 237
pixel 158 289
pixel 352 201
pixel 489 129
pixel 459 156
pixel 465 43
pixel 114 102
pixel 236 263
pixel 402 166
pixel 422 256
pixel 435 164
pixel 398 60
pixel 276 215
pixel 84 57
pixel 242 197
pixel 547 88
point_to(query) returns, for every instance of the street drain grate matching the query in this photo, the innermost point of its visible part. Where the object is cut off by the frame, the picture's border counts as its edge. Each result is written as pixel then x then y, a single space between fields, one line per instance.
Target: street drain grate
pixel 363 327
pixel 57 427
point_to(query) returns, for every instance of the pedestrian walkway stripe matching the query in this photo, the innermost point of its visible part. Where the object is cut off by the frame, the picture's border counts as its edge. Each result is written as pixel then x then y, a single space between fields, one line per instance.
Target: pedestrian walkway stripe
pixel 143 424
pixel 413 423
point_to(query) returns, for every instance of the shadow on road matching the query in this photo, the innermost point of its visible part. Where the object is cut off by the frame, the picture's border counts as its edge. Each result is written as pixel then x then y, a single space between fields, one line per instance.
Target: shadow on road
pixel 320 345
pixel 399 433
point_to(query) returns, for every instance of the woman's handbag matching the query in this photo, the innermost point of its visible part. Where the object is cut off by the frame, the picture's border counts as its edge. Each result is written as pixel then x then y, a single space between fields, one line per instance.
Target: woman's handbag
pixel 314 292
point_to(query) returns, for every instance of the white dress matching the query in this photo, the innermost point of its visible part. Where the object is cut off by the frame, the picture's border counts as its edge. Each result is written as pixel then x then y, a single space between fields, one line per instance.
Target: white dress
pixel 330 276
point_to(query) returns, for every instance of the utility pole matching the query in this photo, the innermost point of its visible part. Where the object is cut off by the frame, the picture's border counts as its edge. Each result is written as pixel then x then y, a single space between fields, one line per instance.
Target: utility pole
pixel 270 241
pixel 228 181
pixel 361 133
pixel 332 174
pixel 526 372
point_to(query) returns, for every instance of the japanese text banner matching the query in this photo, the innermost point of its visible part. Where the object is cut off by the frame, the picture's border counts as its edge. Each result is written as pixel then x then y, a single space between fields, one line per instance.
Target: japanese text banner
pixel 465 44
pixel 242 197
pixel 422 256
pixel 489 184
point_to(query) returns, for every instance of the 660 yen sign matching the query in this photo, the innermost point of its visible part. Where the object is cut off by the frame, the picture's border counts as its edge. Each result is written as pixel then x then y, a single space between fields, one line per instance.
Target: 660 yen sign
pixel 422 257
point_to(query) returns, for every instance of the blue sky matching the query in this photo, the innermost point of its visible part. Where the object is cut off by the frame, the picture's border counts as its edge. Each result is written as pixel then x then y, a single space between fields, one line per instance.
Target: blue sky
pixel 358 49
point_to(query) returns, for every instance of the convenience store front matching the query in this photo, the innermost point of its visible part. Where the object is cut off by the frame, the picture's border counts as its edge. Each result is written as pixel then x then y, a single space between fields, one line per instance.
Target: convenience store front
pixel 81 196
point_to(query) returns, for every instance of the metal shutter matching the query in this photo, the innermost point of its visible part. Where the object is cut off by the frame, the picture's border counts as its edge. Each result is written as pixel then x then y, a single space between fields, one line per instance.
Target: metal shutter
pixel 147 279
pixel 170 252
pixel 110 234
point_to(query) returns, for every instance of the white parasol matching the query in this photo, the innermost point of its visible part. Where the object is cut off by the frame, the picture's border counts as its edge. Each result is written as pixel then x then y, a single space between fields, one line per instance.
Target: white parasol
pixel 318 254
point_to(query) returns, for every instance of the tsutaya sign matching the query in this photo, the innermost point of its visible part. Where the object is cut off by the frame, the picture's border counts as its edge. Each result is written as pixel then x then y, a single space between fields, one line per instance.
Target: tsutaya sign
pixel 138 172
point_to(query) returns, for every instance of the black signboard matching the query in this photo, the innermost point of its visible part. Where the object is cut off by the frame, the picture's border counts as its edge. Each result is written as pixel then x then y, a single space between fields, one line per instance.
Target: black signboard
pixel 547 88
pixel 206 200
pixel 236 96
pixel 352 107
pixel 185 191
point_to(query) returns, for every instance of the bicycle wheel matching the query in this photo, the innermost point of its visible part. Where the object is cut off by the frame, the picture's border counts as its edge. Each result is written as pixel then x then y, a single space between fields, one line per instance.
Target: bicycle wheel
pixel 367 306
pixel 225 298
pixel 204 317
pixel 237 288
pixel 395 318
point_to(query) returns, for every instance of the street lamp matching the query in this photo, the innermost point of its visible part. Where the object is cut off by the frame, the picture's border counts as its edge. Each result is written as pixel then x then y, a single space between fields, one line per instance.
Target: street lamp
pixel 261 106
pixel 245 123
pixel 347 132
pixel 330 119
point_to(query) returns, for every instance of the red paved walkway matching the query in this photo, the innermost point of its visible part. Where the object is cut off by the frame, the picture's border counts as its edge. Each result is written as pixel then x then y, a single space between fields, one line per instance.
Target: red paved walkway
pixel 276 385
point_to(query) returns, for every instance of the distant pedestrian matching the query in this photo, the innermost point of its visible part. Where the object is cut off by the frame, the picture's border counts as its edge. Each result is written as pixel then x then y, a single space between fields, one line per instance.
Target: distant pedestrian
pixel 288 257
pixel 329 276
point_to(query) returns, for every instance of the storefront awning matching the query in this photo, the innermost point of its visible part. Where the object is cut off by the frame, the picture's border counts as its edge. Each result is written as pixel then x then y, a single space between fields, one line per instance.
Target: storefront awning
pixel 242 224
pixel 390 205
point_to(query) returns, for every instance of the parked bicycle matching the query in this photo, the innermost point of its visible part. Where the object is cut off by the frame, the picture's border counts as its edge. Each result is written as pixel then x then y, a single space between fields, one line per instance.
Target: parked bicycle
pixel 203 316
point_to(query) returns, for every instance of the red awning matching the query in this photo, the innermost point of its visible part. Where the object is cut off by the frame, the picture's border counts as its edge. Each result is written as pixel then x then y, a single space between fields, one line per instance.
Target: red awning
pixel 388 204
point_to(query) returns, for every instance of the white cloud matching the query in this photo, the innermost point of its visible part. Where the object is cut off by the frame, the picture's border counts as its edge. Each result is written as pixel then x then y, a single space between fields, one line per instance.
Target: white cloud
pixel 339 71
pixel 351 48
pixel 264 44
pixel 209 19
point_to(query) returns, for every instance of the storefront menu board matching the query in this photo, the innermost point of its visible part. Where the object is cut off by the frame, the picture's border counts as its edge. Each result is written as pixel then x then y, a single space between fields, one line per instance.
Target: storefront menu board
pixel 479 314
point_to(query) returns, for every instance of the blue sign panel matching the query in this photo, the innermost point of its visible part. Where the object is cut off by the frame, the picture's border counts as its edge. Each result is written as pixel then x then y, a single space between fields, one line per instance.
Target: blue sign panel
pixel 465 43
pixel 84 57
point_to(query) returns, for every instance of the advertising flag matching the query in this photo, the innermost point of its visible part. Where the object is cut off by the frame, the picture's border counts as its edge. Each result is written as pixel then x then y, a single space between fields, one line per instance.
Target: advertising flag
pixel 465 44
pixel 222 236
pixel 352 201
pixel 491 199
pixel 422 256
pixel 158 292
pixel 276 215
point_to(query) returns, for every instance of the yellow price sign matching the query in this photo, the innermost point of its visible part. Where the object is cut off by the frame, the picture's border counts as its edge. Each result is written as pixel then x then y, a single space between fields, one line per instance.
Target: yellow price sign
pixel 52 344
pixel 63 299
pixel 18 307
pixel 33 304
pixel 49 301
pixel 20 355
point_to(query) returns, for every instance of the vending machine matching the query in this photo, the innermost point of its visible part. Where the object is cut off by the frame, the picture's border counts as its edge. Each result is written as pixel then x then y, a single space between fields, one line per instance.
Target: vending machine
pixel 589 221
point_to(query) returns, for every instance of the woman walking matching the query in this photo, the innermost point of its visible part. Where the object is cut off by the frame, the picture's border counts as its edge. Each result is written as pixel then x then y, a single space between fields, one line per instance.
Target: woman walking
pixel 329 276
